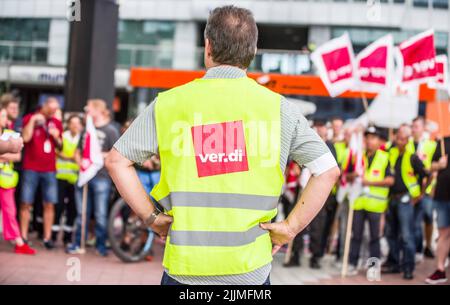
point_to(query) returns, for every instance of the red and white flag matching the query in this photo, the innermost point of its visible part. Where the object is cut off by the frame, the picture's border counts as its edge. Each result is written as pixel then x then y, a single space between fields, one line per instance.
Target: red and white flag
pixel 335 62
pixel 441 81
pixel 416 59
pixel 375 65
pixel 91 156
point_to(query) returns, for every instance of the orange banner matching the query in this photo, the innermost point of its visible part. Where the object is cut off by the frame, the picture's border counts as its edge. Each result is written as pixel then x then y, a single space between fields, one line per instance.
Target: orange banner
pixel 309 85
pixel 438 113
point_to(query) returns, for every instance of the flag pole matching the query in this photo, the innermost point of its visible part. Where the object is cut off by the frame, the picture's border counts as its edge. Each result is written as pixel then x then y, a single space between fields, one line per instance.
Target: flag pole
pixel 441 124
pixel 83 219
pixel 366 105
pixel 347 240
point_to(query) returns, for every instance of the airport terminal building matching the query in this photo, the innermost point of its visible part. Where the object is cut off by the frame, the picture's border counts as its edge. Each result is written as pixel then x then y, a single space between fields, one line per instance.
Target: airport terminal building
pixel 34 38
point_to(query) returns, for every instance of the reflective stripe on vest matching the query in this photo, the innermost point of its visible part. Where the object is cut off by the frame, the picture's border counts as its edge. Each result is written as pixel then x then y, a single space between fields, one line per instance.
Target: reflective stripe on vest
pixel 219 200
pixel 8 176
pixel 65 169
pixel 376 200
pixel 219 144
pixel 407 171
pixel 215 239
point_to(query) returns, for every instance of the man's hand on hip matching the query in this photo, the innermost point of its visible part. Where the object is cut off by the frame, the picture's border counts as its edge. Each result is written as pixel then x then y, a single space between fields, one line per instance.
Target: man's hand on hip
pixel 280 234
pixel 161 225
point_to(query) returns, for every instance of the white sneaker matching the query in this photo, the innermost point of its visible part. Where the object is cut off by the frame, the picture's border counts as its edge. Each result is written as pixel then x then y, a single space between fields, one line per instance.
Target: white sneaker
pixel 419 258
pixel 352 270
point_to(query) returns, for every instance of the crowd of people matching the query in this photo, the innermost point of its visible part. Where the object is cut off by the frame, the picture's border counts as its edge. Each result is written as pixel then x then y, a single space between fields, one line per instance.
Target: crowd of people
pixel 40 181
pixel 393 189
pixel 403 179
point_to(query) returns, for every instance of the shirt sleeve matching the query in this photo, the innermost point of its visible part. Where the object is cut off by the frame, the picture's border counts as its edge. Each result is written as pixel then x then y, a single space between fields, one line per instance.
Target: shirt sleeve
pixel 437 152
pixel 139 141
pixel 307 148
pixel 419 168
pixel 26 119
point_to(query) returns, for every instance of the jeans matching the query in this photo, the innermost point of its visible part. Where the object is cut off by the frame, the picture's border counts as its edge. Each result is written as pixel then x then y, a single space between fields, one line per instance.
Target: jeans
pixel 97 199
pixel 167 280
pixel 30 182
pixel 148 179
pixel 443 213
pixel 400 234
pixel 359 219
pixel 423 212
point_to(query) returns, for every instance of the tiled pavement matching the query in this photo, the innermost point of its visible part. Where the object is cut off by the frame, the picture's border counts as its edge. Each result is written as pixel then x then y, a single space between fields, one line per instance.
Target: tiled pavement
pixel 49 267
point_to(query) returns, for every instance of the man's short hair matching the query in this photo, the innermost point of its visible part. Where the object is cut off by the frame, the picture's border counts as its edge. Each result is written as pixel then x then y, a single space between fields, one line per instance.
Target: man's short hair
pixel 8 98
pixel 233 34
pixel 419 118
pixel 336 118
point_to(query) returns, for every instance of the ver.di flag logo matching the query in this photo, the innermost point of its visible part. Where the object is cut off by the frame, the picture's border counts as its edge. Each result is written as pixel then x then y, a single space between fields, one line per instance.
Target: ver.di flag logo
pixel 219 148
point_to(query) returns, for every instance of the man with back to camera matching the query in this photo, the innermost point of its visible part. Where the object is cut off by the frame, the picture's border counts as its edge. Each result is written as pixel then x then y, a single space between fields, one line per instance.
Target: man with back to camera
pixel 224 142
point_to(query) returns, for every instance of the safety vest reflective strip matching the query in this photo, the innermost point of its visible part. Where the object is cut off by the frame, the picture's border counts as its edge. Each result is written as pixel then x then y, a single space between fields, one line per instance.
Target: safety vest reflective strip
pixel 407 171
pixel 216 217
pixel 376 200
pixel 218 200
pixel 8 176
pixel 65 169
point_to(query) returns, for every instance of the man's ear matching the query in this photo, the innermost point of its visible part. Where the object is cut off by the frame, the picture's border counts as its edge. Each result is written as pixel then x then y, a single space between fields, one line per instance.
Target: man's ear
pixel 207 47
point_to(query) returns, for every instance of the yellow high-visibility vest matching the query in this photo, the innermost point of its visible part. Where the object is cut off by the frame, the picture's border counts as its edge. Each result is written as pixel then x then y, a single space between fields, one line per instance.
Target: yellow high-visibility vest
pixel 341 152
pixel 376 199
pixel 8 176
pixel 65 169
pixel 219 144
pixel 425 151
pixel 407 171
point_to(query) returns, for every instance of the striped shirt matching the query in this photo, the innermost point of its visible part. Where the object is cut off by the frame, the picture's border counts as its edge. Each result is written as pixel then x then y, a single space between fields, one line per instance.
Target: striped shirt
pixel 299 142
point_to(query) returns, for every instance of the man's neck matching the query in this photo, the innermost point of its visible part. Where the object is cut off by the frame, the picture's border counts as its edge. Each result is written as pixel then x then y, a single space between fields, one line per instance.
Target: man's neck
pixel 370 153
pixel 418 139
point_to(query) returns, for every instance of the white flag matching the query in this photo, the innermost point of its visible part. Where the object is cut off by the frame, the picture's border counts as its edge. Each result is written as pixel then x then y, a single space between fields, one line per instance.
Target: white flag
pixel 91 156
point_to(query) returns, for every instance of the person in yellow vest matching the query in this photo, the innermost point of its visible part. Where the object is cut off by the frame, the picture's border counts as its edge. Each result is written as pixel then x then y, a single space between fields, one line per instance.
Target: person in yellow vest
pixel 8 183
pixel 373 201
pixel 408 171
pixel 223 141
pixel 423 210
pixel 67 175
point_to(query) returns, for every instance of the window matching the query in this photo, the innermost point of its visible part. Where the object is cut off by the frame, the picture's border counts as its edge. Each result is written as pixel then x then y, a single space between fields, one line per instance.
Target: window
pixel 146 43
pixel 19 37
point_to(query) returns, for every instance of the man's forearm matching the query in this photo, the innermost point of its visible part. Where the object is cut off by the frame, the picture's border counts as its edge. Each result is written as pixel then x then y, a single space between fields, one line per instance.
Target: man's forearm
pixel 312 199
pixel 27 131
pixel 128 184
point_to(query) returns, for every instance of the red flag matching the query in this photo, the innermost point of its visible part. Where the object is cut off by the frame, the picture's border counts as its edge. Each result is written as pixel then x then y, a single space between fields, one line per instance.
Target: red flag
pixel 441 81
pixel 416 59
pixel 336 65
pixel 91 156
pixel 374 65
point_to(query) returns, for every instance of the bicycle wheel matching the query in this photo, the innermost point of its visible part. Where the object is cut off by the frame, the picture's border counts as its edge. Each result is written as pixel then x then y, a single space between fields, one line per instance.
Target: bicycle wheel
pixel 130 239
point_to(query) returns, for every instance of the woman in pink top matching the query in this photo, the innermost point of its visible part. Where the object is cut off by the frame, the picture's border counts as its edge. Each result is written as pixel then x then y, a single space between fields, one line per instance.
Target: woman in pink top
pixel 7 201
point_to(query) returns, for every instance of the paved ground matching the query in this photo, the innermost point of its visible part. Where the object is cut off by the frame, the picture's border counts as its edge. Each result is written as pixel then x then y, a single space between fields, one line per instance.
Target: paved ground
pixel 50 267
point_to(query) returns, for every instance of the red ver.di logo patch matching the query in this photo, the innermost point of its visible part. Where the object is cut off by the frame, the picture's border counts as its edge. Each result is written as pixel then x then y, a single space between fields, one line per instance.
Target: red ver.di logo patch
pixel 219 148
